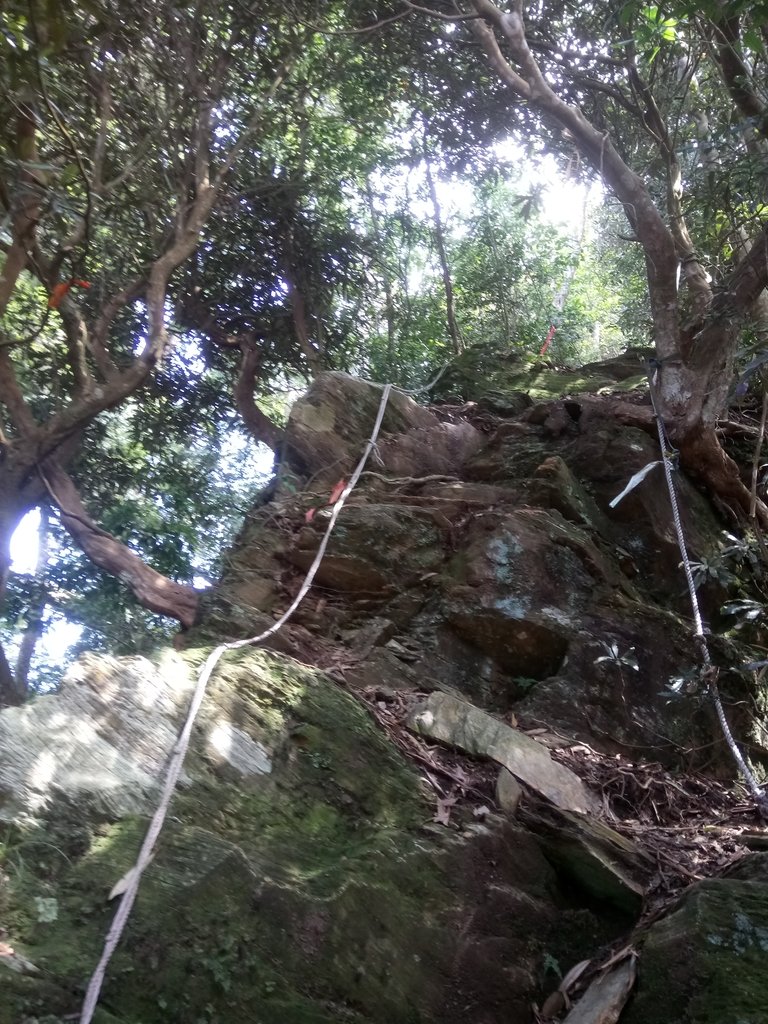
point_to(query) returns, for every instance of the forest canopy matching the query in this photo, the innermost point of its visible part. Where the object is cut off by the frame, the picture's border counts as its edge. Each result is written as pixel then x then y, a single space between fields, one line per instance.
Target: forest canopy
pixel 202 207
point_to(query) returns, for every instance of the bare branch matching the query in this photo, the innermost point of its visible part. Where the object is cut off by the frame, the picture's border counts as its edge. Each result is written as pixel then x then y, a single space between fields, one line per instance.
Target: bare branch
pixel 498 61
pixel 432 13
pixel 364 30
pixel 100 144
pixel 695 275
pixel 100 330
pixel 737 76
pixel 75 329
pixel 76 333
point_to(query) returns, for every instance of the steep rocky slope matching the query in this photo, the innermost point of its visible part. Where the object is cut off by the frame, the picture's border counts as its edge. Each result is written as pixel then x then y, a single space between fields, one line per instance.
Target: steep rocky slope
pixel 459 770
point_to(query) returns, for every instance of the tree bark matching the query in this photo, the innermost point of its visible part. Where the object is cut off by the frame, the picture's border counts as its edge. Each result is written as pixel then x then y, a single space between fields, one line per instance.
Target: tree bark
pixel 257 422
pixel 153 590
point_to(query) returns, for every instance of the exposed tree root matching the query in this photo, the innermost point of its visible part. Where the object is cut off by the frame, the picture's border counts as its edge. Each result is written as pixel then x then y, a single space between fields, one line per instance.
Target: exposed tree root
pixel 703 457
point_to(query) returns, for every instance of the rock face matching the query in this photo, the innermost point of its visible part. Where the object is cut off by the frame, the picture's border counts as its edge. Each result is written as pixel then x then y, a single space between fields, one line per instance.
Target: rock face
pixel 329 426
pixel 477 581
pixel 495 558
pixel 298 879
pixel 703 962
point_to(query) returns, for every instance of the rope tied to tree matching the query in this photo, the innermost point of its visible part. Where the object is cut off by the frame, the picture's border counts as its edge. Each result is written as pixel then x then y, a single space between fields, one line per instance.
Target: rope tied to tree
pixel 709 671
pixel 178 754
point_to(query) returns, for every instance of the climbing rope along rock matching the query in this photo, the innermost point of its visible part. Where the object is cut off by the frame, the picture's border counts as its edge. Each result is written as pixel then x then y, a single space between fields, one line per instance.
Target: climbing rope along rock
pixel 133 877
pixel 709 671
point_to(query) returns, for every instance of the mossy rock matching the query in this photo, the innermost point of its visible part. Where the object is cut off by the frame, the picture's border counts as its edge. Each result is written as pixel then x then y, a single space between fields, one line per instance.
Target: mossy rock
pixel 705 962
pixel 484 374
pixel 318 892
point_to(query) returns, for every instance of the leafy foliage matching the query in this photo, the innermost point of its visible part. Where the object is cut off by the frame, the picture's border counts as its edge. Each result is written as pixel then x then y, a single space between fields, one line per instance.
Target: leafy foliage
pixel 323 246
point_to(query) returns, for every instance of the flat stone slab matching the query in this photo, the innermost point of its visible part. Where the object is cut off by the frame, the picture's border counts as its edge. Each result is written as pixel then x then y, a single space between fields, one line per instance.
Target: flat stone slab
pixel 605 998
pixel 465 727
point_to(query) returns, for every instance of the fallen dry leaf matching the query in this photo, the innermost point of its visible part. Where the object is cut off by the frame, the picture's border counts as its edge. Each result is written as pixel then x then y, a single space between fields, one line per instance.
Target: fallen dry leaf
pixel 573 976
pixel 122 883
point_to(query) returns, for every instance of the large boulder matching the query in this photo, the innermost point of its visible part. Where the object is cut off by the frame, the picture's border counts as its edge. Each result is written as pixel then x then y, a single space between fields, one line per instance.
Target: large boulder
pixel 704 963
pixel 328 428
pixel 298 878
pixel 497 558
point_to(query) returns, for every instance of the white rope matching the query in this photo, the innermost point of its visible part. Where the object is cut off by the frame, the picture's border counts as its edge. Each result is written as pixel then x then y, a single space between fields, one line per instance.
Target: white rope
pixel 178 754
pixel 710 671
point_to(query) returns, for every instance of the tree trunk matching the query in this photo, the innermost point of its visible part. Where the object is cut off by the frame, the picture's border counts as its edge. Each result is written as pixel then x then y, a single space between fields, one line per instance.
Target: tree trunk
pixel 10 516
pixel 301 320
pixel 153 590
pixel 9 694
pixel 389 301
pixel 442 253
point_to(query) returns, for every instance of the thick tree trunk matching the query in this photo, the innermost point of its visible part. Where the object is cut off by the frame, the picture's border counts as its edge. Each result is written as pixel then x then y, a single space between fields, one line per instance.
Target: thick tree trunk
pixel 153 590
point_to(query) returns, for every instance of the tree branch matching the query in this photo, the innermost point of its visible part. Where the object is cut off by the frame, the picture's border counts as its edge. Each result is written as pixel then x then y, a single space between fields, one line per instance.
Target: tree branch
pixel 257 422
pixel 13 399
pixel 646 221
pixel 153 590
pixel 736 74
pixel 438 15
pixel 692 270
pixel 100 330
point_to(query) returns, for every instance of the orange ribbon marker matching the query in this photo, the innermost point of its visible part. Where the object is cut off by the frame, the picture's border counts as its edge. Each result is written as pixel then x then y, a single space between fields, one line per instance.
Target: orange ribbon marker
pixel 59 291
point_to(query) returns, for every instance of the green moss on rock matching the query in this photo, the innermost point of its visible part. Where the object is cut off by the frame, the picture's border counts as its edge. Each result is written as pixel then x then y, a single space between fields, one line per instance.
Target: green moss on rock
pixel 484 372
pixel 311 894
pixel 705 963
